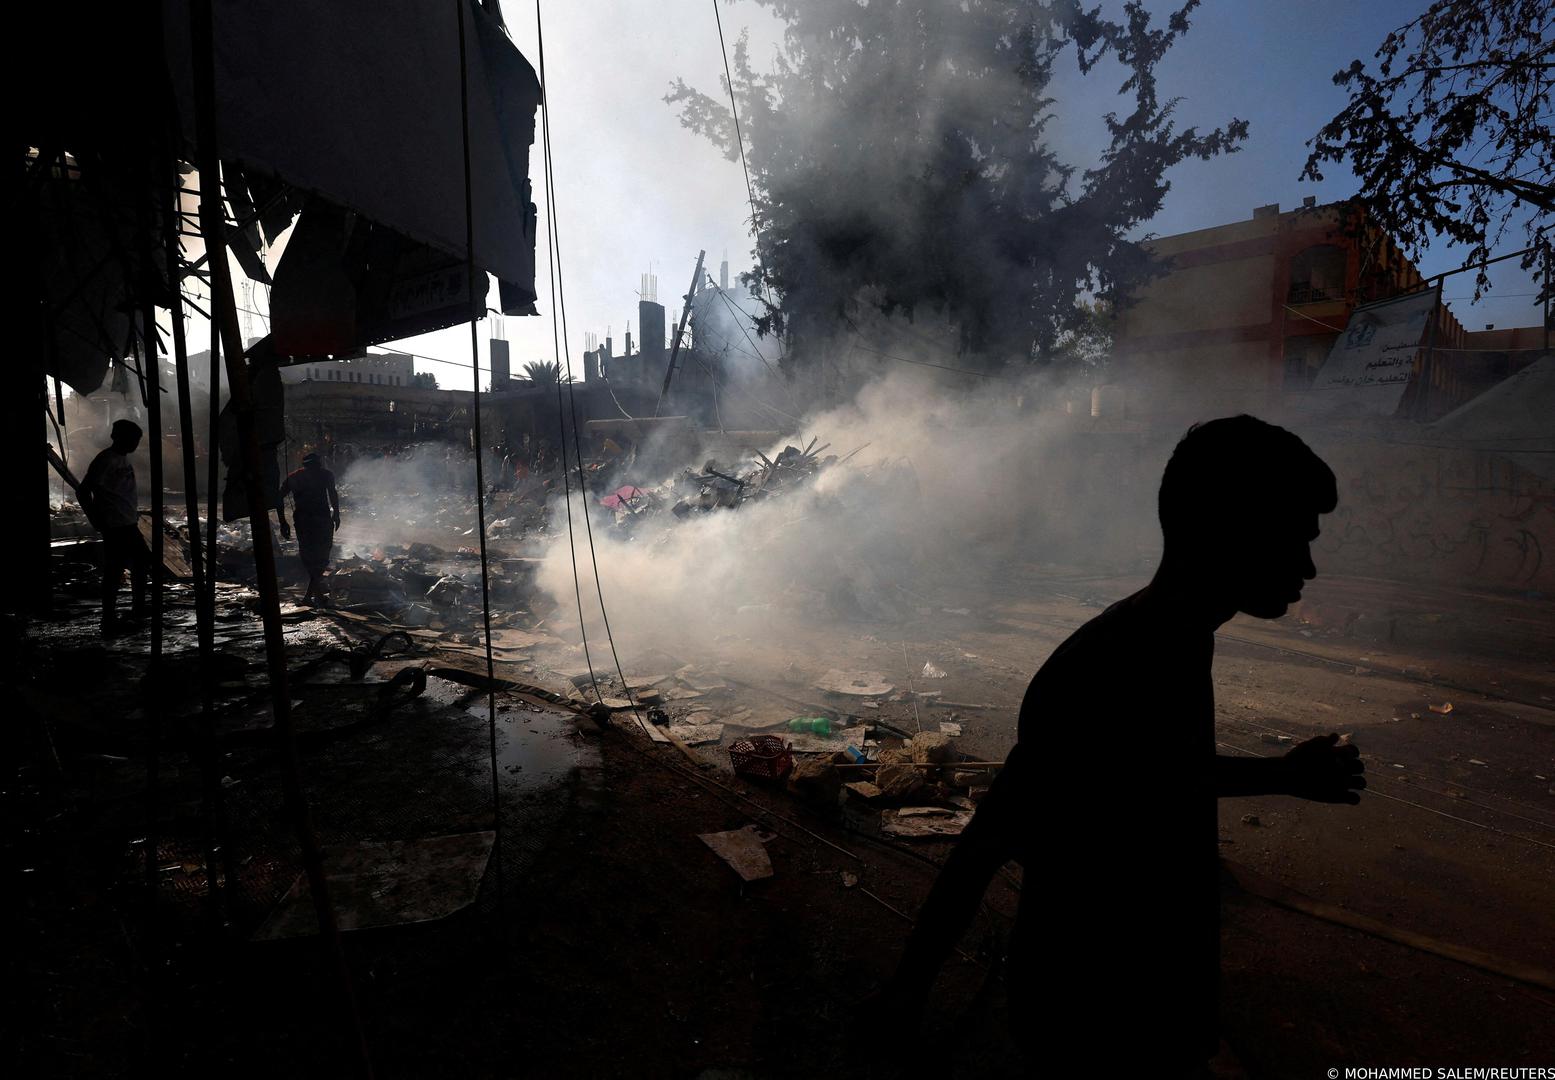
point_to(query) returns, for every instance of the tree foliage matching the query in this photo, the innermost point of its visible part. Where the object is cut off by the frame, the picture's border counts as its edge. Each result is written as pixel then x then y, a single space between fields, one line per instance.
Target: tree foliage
pixel 1086 347
pixel 542 374
pixel 424 380
pixel 1450 133
pixel 902 155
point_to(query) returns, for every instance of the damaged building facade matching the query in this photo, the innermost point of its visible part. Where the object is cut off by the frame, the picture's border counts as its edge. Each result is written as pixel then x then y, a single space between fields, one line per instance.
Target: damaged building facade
pixel 1446 469
pixel 1247 313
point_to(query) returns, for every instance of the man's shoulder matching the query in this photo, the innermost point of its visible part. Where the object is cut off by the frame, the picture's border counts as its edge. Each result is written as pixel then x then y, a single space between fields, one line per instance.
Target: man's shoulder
pixel 1117 623
pixel 103 459
pixel 1114 649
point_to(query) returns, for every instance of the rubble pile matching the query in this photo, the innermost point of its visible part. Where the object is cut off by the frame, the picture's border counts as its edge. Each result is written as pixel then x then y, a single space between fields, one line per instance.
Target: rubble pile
pixel 447 512
pixel 912 785
pixel 717 486
pixel 424 585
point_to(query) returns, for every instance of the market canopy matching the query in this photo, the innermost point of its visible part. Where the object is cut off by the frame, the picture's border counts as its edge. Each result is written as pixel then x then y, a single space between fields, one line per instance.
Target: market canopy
pixel 346 111
pixel 360 103
pixel 359 106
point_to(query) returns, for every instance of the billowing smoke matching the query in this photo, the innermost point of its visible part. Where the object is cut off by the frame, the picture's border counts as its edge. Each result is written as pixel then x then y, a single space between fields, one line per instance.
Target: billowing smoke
pixel 422 494
pixel 948 488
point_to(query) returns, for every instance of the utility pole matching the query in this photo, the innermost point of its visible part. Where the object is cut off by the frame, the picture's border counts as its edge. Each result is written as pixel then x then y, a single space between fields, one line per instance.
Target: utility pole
pixel 685 312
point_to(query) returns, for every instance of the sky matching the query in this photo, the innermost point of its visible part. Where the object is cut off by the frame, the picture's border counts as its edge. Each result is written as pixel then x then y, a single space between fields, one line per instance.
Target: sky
pixel 637 192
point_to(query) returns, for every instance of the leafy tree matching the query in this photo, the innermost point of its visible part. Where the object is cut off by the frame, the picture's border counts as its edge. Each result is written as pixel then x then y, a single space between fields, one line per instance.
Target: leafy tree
pixel 1087 346
pixel 424 380
pixel 1450 134
pixel 900 154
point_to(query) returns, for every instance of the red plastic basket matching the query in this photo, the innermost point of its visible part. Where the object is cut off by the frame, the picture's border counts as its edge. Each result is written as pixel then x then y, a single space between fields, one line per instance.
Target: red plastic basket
pixel 765 757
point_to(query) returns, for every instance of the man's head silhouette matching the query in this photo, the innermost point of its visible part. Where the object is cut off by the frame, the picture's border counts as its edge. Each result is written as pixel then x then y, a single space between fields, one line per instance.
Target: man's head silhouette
pixel 1239 505
pixel 125 435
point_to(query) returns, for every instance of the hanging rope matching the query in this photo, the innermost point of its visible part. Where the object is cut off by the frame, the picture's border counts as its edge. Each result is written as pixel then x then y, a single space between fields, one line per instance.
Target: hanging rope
pixel 480 474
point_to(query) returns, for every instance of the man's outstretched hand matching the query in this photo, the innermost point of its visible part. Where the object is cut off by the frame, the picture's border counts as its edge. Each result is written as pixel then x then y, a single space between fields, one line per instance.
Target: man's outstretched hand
pixel 1322 770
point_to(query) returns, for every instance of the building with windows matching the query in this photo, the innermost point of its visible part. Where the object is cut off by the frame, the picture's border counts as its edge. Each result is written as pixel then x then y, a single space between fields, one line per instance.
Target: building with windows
pixel 1247 312
pixel 373 369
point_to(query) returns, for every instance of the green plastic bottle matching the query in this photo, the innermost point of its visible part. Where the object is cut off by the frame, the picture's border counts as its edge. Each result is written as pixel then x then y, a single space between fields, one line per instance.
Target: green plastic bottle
pixel 819 725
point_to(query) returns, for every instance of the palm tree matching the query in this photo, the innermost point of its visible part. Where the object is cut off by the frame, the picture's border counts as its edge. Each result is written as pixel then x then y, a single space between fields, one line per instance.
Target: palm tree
pixel 541 374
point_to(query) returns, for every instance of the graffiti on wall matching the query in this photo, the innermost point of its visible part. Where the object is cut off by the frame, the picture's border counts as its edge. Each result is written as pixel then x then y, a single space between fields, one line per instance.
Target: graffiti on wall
pixel 1440 514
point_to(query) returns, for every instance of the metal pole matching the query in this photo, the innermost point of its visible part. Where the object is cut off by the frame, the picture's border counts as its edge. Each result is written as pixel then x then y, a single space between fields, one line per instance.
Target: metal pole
pixel 480 452
pixel 38 587
pixel 685 312
pixel 151 367
pixel 224 312
pixel 64 428
pixel 216 833
pixel 213 467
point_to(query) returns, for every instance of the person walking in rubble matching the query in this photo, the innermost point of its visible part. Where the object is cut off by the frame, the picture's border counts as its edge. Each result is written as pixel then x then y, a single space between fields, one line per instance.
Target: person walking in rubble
pixel 1119 905
pixel 316 510
pixel 111 502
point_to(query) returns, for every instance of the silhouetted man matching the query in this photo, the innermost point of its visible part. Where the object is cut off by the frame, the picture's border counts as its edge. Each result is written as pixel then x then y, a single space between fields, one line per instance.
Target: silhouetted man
pixel 1108 798
pixel 316 509
pixel 111 502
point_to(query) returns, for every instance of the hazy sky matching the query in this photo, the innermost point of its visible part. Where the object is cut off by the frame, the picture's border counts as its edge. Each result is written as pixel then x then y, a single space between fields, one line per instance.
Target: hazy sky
pixel 636 191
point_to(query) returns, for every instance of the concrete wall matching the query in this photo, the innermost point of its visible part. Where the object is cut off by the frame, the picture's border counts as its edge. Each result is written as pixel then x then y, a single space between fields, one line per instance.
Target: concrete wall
pixel 1440 515
pixel 1410 512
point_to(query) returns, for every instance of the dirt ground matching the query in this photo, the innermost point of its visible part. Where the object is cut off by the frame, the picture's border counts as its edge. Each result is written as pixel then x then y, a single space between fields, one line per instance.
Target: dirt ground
pixel 617 944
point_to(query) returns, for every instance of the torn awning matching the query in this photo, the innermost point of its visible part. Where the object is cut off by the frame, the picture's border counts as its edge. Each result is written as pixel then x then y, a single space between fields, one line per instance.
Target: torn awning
pixel 360 103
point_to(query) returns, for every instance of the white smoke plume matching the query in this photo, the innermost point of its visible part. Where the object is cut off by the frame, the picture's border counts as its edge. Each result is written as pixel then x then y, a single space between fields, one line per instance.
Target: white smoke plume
pixel 950 487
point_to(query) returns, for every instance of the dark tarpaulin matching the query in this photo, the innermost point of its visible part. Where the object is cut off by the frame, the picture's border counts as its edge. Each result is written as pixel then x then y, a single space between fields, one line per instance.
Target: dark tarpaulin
pixel 341 104
pixel 359 106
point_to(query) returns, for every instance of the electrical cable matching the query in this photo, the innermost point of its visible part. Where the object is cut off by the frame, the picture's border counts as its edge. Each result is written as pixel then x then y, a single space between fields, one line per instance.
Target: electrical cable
pixel 754 349
pixel 480 476
pixel 619 407
pixel 739 136
pixel 926 363
pixel 1304 315
pixel 727 385
pixel 561 308
pixel 557 341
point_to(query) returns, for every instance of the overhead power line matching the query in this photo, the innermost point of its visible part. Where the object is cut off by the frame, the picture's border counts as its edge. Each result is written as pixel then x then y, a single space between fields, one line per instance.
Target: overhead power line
pixel 564 363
